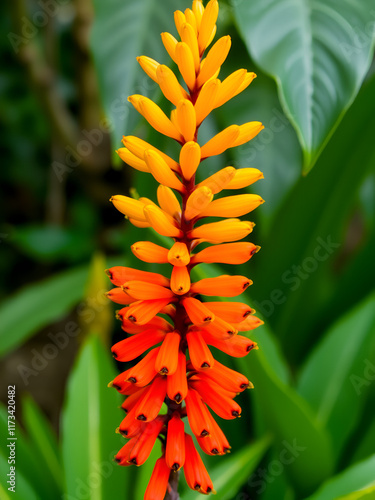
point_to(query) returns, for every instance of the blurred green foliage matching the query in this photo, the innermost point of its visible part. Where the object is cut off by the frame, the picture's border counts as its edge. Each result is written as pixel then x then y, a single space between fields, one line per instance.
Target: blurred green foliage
pixel 307 430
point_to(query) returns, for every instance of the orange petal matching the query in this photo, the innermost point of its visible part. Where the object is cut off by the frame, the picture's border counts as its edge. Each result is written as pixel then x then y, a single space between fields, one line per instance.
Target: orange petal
pixel 120 275
pixel 233 312
pixel 244 177
pixel 185 62
pixel 169 202
pixel 138 147
pixel 198 313
pixel 197 413
pixel 225 286
pixel 122 457
pixel 161 171
pixel 215 58
pixel 191 19
pixel 177 387
pixel 190 157
pixel 179 20
pixel 175 449
pixel 179 255
pixel 145 442
pixel 143 311
pixel 216 443
pixel 170 44
pixel 222 231
pixel 221 142
pixel 158 483
pixel 149 252
pixel 237 346
pixel 132 160
pixel 129 206
pixel 130 426
pixel 151 404
pixel 167 359
pixel 200 355
pixel 160 222
pixel 141 290
pixel 232 206
pixel 228 379
pixel 180 280
pixel 197 202
pixel 247 132
pixel 221 329
pixel 206 100
pixel 222 405
pixel 169 85
pixel 219 180
pixel 208 22
pixel 229 253
pixel 250 323
pixel 186 119
pixel 149 66
pixel 143 372
pixel 188 35
pixel 196 474
pixel 229 87
pixel 134 346
pixel 118 296
pixel 198 10
pixel 132 400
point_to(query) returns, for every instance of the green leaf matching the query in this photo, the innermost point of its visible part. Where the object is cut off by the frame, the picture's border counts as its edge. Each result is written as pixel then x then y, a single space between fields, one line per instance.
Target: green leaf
pixel 23 488
pixel 308 231
pixel 334 378
pixel 89 420
pixel 34 476
pixel 37 305
pixel 357 477
pixel 233 471
pixel 319 53
pixel 43 440
pixel 122 31
pixel 302 442
pixel 366 494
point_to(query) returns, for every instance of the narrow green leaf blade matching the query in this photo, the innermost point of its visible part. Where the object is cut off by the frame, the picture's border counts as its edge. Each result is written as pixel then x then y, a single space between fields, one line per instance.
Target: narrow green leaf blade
pixel 37 305
pixel 89 420
pixel 357 477
pixel 318 51
pixel 43 440
pixel 23 489
pixel 334 379
pixel 232 473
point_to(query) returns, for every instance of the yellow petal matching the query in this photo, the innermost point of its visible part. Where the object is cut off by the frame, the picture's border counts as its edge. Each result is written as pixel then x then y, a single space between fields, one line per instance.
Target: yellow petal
pixel 169 43
pixel 168 201
pixel 198 202
pixel 208 22
pixel 248 79
pixel 220 180
pixel 244 177
pixel 189 36
pixel 157 119
pixel 206 100
pixel 222 231
pixel 190 18
pixel 220 142
pixel 190 157
pixel 149 66
pixel 135 100
pixel 186 119
pixel 132 160
pixel 232 206
pixel 179 255
pixel 214 59
pixel 139 223
pixel 179 20
pixel 185 62
pixel 138 147
pixel 169 85
pixel 129 207
pixel 161 171
pixel 159 221
pixel 247 132
pixel 229 87
pixel 198 10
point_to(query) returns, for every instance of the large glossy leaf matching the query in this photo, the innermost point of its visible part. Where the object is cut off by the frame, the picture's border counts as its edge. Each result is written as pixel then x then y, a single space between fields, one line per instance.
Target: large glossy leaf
pixel 363 494
pixel 44 441
pixel 37 305
pixel 122 31
pixel 335 380
pixel 318 51
pixel 299 436
pixel 358 477
pixel 293 277
pixel 233 472
pixel 89 420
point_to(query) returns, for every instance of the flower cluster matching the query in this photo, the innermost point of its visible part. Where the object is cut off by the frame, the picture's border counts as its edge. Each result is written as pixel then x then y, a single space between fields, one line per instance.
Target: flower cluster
pixel 166 318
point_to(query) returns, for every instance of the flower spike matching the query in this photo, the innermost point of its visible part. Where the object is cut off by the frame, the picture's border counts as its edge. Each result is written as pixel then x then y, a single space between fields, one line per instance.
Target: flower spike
pixel 174 324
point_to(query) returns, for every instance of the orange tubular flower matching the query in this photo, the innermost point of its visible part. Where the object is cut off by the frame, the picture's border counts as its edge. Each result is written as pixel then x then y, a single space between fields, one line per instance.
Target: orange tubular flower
pixel 166 319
